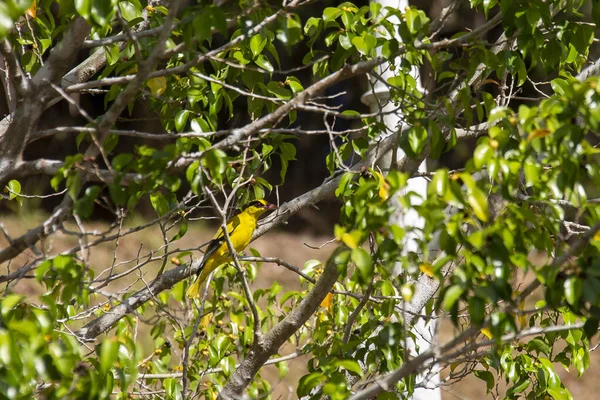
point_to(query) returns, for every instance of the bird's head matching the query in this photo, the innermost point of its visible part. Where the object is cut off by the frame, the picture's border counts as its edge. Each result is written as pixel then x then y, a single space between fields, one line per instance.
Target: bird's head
pixel 257 207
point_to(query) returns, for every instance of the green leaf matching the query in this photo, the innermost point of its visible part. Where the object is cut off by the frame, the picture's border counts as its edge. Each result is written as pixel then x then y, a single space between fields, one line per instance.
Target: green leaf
pixel 438 142
pixel 85 205
pixel 331 13
pixel 102 11
pixel 374 8
pixel 199 125
pixel 183 227
pixel 559 393
pixel 478 203
pixel 257 44
pixel 440 183
pixel 539 346
pixel 181 120
pixel 129 11
pixel 344 181
pixel 451 296
pixel 266 149
pixel 417 138
pixel 228 365
pixel 476 309
pixel 216 161
pixel 283 369
pixel 263 62
pixel 294 84
pixel 346 41
pixel 14 188
pixel 110 143
pixel 482 155
pixel 363 262
pixel 573 288
pixel 415 19
pixel 313 26
pixel 9 302
pixel 279 91
pixel 360 146
pixel 487 377
pixel 112 56
pixel 83 8
pixel 560 86
pixel 108 353
pixel 364 44
pixel 308 382
pixel 121 161
pixel 160 204
pixel 350 366
pixel 73 185
pixel 118 194
pixel 62 261
pixel 288 151
pixel 519 387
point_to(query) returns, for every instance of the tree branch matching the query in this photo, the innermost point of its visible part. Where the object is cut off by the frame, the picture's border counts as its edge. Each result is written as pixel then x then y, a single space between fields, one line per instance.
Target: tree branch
pixel 15 82
pixel 560 261
pixel 170 278
pixel 24 120
pixel 44 166
pixel 20 244
pixel 411 367
pixel 270 343
pixel 61 56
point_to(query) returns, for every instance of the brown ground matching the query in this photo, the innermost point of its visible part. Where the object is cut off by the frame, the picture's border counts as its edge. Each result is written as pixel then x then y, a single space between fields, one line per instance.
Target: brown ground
pixel 289 247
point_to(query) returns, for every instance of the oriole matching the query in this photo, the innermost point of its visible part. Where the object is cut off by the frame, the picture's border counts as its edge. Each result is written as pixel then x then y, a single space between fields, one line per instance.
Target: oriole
pixel 240 228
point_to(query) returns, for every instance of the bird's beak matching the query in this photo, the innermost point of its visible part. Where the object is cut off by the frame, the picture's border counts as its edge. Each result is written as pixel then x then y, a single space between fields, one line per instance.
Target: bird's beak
pixel 270 207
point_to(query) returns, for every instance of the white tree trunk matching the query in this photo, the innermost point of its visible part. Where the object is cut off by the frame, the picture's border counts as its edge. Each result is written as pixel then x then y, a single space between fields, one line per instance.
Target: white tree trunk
pixel 377 100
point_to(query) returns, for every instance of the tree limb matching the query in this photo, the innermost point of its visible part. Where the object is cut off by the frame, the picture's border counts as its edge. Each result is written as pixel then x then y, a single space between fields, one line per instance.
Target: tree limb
pixel 20 244
pixel 270 343
pixel 23 121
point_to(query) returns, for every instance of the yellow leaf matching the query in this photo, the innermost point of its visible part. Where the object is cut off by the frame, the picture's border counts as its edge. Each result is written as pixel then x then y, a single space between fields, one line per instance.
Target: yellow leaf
pixel 327 301
pixel 352 239
pixel 485 81
pixel 384 187
pixel 522 321
pixel 597 235
pixel 427 269
pixel 538 133
pixel 454 365
pixel 384 191
pixel 206 320
pixel 407 291
pixel 522 318
pixel 157 85
pixel 31 11
pixel 487 332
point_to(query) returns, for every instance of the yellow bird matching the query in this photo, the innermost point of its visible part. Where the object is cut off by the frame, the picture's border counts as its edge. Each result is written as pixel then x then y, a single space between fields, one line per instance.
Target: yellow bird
pixel 241 228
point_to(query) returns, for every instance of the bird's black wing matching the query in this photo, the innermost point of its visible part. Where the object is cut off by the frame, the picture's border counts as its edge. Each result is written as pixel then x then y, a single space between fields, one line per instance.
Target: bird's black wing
pixel 217 242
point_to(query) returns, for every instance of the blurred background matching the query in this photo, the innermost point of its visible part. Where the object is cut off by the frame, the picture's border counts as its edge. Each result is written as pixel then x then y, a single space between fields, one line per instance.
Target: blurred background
pixel 311 227
pixel 307 172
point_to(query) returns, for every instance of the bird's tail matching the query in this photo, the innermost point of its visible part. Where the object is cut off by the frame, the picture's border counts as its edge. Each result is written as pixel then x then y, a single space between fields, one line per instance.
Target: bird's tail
pixel 193 291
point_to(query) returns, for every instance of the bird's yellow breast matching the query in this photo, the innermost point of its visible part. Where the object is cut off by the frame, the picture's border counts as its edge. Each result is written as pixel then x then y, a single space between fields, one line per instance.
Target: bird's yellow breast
pixel 242 233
